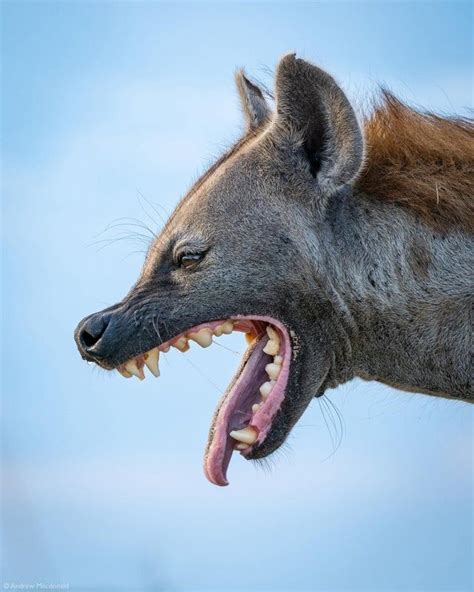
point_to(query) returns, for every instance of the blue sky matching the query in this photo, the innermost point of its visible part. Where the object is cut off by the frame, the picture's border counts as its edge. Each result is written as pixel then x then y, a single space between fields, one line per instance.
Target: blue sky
pixel 102 481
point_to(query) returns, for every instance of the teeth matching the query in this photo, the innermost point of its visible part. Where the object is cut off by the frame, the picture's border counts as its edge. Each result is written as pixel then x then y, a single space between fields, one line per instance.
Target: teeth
pixel 131 366
pixel 151 358
pixel 181 344
pixel 241 446
pixel 218 330
pixel 250 338
pixel 273 345
pixel 278 360
pixel 227 327
pixel 266 388
pixel 203 337
pixel 151 361
pixel 255 407
pixel 271 348
pixel 273 370
pixel 248 435
pixel 272 334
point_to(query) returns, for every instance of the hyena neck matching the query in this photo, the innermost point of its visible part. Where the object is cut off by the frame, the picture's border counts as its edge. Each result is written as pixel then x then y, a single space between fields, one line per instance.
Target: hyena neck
pixel 409 292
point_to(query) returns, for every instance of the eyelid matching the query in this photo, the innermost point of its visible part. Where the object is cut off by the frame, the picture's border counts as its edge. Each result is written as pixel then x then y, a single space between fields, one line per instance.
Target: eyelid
pixel 184 250
pixel 189 246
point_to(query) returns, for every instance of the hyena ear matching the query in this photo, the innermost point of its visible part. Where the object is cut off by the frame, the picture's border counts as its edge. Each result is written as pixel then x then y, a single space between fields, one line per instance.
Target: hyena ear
pixel 254 105
pixel 314 111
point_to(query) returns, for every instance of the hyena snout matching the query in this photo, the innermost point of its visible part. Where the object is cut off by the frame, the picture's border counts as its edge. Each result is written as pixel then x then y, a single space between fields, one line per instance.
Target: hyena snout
pixel 90 336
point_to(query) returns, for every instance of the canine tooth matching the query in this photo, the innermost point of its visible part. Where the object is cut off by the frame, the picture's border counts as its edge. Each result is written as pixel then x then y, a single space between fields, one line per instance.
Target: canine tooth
pixel 151 361
pixel 266 389
pixel 255 407
pixel 273 370
pixel 271 348
pixel 124 373
pixel 181 344
pixel 247 435
pixel 203 337
pixel 227 327
pixel 278 360
pixel 131 366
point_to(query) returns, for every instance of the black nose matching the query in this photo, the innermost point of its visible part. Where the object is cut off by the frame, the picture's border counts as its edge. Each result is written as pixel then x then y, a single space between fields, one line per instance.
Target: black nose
pixel 89 333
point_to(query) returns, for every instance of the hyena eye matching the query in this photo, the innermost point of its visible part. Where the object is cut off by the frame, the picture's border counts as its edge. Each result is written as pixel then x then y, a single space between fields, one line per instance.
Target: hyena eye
pixel 190 260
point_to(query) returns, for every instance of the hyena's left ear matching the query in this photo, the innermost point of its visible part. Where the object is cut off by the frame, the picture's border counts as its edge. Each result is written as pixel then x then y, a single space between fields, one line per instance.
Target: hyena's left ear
pixel 254 105
pixel 314 111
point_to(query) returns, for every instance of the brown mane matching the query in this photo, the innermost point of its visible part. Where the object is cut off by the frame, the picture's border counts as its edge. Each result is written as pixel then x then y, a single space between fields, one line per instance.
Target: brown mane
pixel 420 161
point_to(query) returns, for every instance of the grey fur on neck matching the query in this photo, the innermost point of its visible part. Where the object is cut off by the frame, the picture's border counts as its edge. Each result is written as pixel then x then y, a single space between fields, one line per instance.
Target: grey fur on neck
pixel 408 294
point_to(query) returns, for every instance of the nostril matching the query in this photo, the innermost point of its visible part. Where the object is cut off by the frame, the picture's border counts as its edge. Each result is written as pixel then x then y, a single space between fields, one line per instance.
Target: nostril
pixel 92 331
pixel 89 340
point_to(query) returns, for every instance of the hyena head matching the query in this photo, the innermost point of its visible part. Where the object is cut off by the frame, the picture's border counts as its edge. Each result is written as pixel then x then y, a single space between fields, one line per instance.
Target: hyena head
pixel 244 251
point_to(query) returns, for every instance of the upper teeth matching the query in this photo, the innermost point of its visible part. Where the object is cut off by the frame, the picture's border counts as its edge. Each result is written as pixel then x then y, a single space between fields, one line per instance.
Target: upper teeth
pixel 182 344
pixel 151 361
pixel 124 373
pixel 203 337
pixel 132 367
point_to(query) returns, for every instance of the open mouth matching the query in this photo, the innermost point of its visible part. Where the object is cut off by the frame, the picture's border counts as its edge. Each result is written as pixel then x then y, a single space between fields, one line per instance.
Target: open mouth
pixel 245 413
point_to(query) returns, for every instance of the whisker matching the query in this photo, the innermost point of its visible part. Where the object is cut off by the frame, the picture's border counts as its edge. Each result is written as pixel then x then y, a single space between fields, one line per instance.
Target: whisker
pixel 337 431
pixel 153 208
pixel 226 348
pixel 218 388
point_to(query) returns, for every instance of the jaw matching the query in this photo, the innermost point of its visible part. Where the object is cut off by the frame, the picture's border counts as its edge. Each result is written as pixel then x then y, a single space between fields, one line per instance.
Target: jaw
pixel 244 416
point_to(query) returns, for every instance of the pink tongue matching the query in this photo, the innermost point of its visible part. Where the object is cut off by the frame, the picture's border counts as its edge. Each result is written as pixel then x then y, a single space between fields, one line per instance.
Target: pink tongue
pixel 234 413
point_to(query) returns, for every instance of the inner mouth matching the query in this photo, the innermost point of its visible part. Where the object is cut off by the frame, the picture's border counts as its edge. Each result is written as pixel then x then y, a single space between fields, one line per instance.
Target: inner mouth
pixel 245 413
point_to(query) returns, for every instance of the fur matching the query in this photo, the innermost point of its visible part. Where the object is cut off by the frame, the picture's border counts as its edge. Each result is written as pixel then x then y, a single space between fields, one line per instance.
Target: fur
pixel 367 261
pixel 420 161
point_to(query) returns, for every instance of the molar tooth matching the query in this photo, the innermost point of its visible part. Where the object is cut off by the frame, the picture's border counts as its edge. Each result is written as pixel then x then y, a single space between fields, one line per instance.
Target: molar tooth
pixel 273 344
pixel 271 348
pixel 227 327
pixel 203 337
pixel 273 370
pixel 181 344
pixel 218 330
pixel 266 388
pixel 151 361
pixel 272 334
pixel 250 338
pixel 132 367
pixel 124 373
pixel 247 435
pixel 255 407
